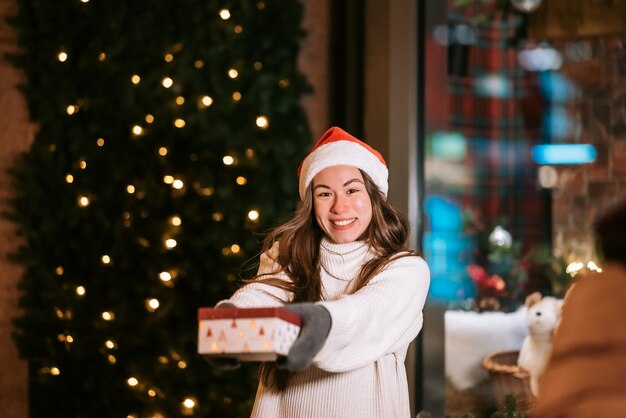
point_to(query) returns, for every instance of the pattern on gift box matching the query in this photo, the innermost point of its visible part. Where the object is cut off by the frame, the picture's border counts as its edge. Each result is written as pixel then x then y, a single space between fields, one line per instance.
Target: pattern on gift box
pixel 240 333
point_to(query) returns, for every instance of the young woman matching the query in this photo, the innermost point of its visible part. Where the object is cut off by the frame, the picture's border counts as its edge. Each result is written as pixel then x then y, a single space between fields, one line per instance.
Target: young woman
pixel 342 263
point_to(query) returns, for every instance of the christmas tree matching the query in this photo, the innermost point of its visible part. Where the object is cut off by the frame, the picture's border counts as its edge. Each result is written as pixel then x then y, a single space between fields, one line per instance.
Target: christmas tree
pixel 169 137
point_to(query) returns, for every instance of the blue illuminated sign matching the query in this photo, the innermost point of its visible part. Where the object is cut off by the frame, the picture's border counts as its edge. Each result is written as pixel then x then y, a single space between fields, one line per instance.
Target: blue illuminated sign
pixel 564 154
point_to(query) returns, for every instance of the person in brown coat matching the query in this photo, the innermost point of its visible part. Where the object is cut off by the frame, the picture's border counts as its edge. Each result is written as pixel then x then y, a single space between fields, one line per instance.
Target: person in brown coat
pixel 586 374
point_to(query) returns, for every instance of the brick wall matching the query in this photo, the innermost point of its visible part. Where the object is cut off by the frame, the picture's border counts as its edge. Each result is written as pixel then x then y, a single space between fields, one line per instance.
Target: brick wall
pixel 16 135
pixel 584 191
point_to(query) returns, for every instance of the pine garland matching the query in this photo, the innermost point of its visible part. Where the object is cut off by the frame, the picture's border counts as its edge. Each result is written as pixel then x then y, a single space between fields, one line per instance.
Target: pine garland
pixel 170 132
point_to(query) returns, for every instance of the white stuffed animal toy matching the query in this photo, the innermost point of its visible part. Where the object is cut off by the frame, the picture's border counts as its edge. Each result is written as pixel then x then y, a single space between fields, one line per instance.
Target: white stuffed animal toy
pixel 542 318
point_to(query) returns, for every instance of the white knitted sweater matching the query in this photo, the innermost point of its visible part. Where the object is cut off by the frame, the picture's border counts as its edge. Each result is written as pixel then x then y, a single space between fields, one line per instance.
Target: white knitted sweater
pixel 360 370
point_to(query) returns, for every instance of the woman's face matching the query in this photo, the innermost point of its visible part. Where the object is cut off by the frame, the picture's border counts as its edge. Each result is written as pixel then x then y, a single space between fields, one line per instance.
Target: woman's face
pixel 342 206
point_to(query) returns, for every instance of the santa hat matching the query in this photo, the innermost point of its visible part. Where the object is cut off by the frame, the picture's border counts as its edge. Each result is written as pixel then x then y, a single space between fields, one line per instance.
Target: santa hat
pixel 337 147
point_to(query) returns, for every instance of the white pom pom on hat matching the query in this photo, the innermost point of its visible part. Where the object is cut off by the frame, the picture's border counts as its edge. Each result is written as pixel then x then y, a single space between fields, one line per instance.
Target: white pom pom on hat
pixel 337 147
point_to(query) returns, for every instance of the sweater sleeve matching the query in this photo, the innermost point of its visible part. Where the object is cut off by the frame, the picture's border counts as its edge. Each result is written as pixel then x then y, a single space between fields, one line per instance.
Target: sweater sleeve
pixel 381 318
pixel 258 294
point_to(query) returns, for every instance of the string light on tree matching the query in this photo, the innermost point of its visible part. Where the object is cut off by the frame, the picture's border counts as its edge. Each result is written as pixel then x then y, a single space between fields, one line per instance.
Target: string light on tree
pixel 205 101
pixel 188 406
pixel 108 316
pixel 178 184
pixel 135 79
pixel 137 130
pixel 232 73
pixel 170 243
pixel 62 56
pixel 167 82
pixel 225 14
pixel 253 215
pixel 262 122
pixel 83 201
pixel 71 109
pixel 69 178
pixel 80 290
pixel 152 304
pixel 179 123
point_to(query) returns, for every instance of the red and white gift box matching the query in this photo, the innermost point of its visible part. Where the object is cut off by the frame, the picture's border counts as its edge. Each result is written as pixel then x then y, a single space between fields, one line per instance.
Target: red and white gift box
pixel 247 334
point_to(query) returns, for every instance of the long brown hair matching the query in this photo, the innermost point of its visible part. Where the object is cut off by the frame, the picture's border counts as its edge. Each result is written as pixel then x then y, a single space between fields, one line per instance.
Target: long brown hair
pixel 299 254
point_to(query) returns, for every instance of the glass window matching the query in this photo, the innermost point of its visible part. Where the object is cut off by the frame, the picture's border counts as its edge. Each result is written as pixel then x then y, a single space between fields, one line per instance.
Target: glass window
pixel 515 168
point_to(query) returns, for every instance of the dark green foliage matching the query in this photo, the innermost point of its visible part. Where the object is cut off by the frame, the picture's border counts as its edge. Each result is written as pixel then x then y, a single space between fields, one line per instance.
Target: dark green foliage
pixel 107 42
pixel 510 409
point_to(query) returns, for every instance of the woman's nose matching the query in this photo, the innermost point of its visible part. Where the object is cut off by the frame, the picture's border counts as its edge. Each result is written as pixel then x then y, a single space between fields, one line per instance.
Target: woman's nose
pixel 340 205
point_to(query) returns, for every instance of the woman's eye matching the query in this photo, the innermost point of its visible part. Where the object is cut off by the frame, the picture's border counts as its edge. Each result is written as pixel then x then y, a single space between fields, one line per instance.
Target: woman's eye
pixel 350 191
pixel 323 194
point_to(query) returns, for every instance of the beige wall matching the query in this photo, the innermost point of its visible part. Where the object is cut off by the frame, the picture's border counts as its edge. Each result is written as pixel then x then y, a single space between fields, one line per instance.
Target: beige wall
pixel 16 134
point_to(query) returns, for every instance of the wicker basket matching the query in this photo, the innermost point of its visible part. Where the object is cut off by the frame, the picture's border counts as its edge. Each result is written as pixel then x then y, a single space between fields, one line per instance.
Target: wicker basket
pixel 507 378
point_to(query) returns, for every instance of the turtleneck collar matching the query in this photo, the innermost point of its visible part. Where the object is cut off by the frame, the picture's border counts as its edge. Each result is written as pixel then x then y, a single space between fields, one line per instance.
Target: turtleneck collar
pixel 343 261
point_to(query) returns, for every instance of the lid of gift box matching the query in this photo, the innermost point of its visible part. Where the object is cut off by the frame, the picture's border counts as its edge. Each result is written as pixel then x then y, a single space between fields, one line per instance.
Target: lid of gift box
pixel 235 313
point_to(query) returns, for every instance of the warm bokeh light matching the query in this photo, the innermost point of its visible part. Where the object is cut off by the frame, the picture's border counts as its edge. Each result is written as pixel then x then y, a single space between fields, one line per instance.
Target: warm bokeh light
pixel 152 304
pixel 262 122
pixel 206 101
pixel 83 201
pixel 253 215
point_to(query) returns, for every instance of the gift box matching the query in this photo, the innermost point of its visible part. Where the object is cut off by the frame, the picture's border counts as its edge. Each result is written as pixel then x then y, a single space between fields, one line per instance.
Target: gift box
pixel 247 334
